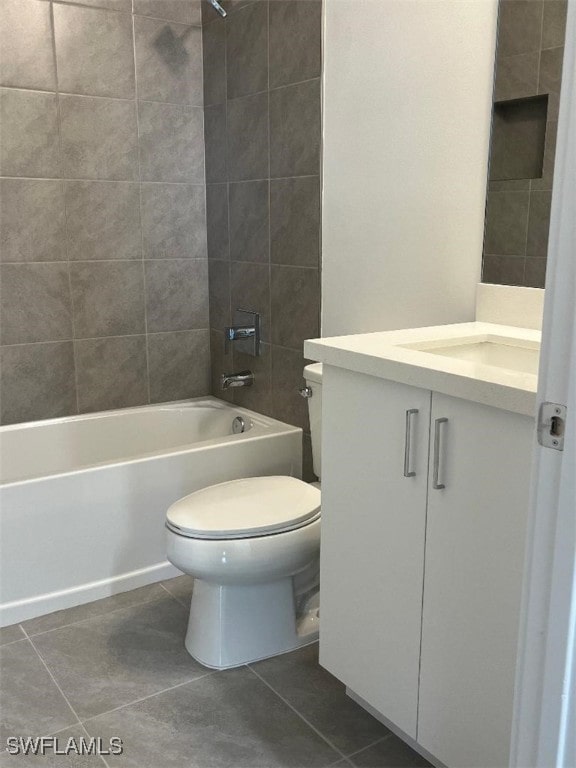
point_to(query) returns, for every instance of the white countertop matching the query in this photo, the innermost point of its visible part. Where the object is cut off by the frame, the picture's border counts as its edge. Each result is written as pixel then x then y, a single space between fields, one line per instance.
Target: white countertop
pixel 381 354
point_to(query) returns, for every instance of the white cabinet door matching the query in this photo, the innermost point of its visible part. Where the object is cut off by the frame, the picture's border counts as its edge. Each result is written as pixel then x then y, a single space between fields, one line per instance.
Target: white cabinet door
pixel 372 548
pixel 473 576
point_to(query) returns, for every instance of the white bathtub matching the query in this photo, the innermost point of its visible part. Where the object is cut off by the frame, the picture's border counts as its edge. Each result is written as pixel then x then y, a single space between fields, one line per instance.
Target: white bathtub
pixel 83 499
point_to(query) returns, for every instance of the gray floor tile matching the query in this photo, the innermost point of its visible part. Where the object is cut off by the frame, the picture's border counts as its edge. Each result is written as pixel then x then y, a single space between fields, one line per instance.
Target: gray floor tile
pixel 391 752
pixel 90 610
pixel 31 702
pixel 225 720
pixel 181 588
pixel 321 699
pixel 51 760
pixel 115 659
pixel 10 634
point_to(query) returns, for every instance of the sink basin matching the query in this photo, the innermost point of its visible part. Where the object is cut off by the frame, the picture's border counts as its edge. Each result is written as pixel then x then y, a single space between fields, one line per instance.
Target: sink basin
pixel 496 351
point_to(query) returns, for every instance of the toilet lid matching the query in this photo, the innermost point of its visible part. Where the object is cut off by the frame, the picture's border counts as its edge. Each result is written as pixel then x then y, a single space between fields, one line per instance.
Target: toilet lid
pixel 253 506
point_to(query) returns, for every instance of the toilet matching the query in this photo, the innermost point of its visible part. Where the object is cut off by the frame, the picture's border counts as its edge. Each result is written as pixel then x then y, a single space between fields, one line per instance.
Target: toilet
pixel 253 547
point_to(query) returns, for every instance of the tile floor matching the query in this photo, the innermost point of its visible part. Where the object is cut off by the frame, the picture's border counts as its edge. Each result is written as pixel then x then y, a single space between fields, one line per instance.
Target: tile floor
pixel 118 667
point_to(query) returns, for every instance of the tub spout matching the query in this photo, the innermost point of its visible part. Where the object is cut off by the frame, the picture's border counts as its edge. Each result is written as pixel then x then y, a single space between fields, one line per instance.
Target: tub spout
pixel 240 379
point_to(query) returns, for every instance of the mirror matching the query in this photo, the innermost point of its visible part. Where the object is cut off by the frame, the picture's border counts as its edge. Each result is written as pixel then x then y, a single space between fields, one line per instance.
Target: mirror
pixel 528 72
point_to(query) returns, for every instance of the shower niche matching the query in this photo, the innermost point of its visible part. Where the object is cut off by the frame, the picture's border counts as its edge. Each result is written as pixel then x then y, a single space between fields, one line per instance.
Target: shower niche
pixel 518 139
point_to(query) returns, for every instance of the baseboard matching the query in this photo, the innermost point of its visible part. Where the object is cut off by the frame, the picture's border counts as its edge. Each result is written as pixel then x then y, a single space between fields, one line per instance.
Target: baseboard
pixel 30 608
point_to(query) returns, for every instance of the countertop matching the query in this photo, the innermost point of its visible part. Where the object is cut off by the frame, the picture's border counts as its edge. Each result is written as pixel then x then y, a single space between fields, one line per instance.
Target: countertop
pixel 381 354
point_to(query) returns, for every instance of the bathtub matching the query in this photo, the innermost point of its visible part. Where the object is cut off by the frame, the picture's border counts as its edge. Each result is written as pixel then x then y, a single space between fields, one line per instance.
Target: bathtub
pixel 83 499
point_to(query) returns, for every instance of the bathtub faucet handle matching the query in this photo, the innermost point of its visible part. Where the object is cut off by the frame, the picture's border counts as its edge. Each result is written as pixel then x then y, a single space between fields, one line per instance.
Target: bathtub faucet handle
pixel 245 333
pixel 240 379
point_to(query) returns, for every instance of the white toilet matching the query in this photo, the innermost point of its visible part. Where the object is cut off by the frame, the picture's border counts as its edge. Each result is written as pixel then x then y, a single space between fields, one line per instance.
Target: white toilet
pixel 253 547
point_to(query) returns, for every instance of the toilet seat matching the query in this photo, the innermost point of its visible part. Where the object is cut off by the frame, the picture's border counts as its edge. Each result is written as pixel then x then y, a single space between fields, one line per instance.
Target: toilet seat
pixel 246 508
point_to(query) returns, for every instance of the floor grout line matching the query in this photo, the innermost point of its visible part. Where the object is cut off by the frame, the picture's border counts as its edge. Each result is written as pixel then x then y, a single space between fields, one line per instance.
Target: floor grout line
pixel 369 746
pixel 150 696
pixel 88 735
pixel 96 616
pixel 300 715
pixel 78 721
pixel 178 600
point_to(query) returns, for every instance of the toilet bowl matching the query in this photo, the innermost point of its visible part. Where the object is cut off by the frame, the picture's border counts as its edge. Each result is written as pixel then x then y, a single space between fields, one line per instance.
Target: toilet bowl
pixel 253 548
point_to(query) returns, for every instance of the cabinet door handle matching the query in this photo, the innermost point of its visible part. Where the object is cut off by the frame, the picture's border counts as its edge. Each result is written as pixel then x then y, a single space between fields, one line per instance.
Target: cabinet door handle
pixel 410 419
pixel 438 450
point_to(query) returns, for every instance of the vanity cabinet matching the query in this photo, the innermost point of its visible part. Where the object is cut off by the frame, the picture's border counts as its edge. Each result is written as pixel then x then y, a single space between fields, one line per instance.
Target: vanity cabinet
pixel 421 584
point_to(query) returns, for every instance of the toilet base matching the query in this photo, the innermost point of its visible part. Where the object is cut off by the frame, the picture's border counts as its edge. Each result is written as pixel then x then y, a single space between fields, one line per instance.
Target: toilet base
pixel 233 625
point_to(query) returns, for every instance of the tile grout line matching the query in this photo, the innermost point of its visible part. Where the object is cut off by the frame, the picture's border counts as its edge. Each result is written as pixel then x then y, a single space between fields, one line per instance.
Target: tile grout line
pixel 105 338
pixel 180 183
pixel 88 735
pixel 89 618
pixel 180 602
pixel 64 190
pixel 271 397
pixel 78 721
pixel 299 714
pixel 150 696
pixel 144 282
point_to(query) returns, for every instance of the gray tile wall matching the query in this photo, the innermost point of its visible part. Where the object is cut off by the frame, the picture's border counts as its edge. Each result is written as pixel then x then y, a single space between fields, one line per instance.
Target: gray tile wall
pixel 528 63
pixel 103 252
pixel 262 132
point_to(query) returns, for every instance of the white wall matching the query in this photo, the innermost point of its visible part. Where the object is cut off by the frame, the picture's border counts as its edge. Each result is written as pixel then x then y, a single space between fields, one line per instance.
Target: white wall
pixel 407 110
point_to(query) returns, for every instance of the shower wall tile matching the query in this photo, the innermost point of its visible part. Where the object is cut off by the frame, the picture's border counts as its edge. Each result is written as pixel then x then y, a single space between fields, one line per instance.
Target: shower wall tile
pixel 217 221
pixel 520 25
pixel 173 221
pixel 516 76
pixel 111 373
pixel 506 223
pixel 295 130
pixel 554 23
pixel 168 61
pixel 32 220
pixel 529 57
pixel 247 137
pixel 34 303
pixel 250 289
pixel 219 279
pixel 266 116
pixel 538 224
pixel 108 298
pixel 103 220
pixel 247 50
pixel 36 382
pixel 503 270
pixel 215 141
pixel 176 295
pixel 214 52
pixel 295 299
pixel 171 143
pixel 249 221
pixel 184 11
pixel 259 396
pixel 99 138
pixel 551 70
pixel 535 273
pixel 26 45
pixel 179 365
pixel 112 192
pixel 94 51
pixel 295 221
pixel 295 30
pixel 29 145
pixel 287 379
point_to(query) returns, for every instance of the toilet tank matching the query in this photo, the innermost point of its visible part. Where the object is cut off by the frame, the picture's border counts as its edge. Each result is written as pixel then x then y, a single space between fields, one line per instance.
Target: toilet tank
pixel 313 376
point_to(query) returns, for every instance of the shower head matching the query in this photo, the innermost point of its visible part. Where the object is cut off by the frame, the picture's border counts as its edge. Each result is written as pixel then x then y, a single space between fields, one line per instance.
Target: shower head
pixel 216 5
